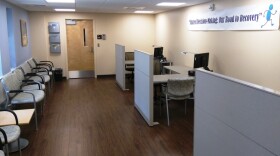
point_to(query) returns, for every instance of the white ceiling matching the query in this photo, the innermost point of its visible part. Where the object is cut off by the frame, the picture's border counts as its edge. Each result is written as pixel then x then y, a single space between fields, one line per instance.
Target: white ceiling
pixel 102 6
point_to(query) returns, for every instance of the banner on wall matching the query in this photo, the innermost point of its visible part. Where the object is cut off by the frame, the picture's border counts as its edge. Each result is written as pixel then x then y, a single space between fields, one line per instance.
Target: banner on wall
pixel 264 16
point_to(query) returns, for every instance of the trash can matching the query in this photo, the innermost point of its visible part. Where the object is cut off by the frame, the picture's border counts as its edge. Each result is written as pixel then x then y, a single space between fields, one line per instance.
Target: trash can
pixel 58 74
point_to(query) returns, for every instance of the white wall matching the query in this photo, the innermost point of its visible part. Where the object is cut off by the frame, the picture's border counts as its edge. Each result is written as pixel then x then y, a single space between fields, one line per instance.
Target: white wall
pixel 247 55
pixel 133 31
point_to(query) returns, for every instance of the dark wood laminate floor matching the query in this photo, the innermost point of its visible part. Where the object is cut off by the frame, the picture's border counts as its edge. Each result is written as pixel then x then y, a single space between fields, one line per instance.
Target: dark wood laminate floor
pixel 93 117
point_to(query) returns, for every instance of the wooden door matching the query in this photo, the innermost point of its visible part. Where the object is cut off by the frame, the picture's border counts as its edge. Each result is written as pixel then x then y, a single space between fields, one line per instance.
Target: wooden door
pixel 80 48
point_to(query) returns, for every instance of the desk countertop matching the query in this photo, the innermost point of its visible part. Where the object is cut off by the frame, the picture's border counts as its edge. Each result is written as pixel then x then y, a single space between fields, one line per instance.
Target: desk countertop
pixel 179 69
pixel 164 78
pixel 24 117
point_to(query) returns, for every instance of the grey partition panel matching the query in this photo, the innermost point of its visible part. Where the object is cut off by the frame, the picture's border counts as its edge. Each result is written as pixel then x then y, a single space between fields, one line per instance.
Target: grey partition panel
pixel 143 85
pixel 233 117
pixel 120 65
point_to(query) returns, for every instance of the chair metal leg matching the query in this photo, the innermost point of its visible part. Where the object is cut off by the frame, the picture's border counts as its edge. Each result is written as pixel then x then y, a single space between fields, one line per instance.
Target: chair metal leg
pixel 7 150
pixel 49 87
pixel 19 147
pixel 43 105
pixel 36 121
pixel 167 109
pixel 160 107
pixel 42 108
pixel 185 106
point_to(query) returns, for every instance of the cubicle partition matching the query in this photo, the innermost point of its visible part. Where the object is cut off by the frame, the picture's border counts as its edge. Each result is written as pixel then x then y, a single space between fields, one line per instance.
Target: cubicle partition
pixel 233 117
pixel 120 65
pixel 143 85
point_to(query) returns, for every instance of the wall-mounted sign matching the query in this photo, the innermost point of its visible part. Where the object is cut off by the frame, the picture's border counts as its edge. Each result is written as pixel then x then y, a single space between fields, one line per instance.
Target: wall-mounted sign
pixel 101 36
pixel 263 16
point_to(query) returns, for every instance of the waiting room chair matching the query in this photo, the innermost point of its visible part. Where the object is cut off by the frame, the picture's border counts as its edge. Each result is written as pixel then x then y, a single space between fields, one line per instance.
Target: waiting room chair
pixel 10 133
pixel 129 67
pixel 44 63
pixel 1 143
pixel 178 89
pixel 42 69
pixel 25 83
pixel 15 95
pixel 29 74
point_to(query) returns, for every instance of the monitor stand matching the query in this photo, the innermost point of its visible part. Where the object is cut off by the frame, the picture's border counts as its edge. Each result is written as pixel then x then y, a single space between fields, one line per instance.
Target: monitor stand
pixel 206 68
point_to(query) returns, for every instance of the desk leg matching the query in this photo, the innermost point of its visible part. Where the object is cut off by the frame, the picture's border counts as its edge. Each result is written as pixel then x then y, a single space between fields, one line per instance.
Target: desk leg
pixel 13 147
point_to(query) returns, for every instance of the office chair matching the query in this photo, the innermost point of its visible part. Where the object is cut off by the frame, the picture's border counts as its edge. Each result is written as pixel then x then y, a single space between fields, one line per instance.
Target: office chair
pixel 129 67
pixel 178 89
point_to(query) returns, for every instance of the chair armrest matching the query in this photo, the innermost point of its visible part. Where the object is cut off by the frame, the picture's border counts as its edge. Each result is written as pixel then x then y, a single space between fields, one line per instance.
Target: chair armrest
pixel 43 69
pixel 15 91
pixel 48 62
pixel 34 74
pixel 14 114
pixel 31 74
pixel 27 81
pixel 44 65
pixel 34 82
pixel 5 137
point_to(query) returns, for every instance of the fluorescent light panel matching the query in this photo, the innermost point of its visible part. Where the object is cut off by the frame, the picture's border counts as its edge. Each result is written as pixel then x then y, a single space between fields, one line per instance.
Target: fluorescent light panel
pixel 68 10
pixel 143 12
pixel 60 1
pixel 170 4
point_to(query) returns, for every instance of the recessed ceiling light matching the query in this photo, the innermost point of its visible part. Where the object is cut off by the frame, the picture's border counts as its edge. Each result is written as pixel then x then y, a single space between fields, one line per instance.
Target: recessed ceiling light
pixel 60 1
pixel 68 10
pixel 170 4
pixel 143 12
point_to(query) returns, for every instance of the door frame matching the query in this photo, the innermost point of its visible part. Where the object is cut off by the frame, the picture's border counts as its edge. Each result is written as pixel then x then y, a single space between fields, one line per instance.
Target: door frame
pixel 94 45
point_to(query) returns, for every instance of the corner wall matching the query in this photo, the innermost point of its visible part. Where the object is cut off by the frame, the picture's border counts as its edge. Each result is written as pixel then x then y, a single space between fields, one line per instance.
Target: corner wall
pixel 21 53
pixel 247 55
pixel 132 30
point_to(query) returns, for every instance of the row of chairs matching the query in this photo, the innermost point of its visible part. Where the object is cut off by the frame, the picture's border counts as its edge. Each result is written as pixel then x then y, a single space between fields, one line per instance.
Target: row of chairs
pixel 24 85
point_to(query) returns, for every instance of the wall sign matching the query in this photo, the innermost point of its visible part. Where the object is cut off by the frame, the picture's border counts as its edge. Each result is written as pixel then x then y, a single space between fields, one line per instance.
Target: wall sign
pixel 264 16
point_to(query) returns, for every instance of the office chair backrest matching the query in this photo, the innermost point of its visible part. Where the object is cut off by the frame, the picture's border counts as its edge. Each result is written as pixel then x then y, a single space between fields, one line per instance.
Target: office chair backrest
pixel 129 55
pixel 157 67
pixel 180 87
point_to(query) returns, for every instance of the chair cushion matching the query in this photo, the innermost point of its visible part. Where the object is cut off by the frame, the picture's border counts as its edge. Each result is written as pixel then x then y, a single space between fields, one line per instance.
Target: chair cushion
pixel 27 98
pixel 44 73
pixel 180 87
pixel 173 97
pixel 33 87
pixel 38 79
pixel 12 132
pixel 2 153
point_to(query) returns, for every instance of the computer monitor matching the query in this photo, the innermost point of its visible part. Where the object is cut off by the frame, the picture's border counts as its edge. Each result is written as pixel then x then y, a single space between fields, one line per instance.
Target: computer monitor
pixel 201 60
pixel 158 52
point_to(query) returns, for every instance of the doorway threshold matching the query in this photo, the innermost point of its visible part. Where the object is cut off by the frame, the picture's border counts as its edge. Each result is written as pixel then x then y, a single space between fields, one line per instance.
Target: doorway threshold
pixel 81 74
